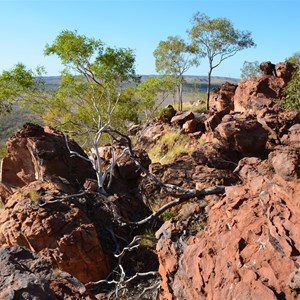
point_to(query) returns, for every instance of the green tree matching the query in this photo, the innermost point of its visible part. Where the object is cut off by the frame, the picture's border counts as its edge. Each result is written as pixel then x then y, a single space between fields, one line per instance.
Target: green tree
pixel 152 92
pixel 16 84
pixel 291 93
pixel 250 69
pixel 295 58
pixel 174 57
pixel 218 40
pixel 93 86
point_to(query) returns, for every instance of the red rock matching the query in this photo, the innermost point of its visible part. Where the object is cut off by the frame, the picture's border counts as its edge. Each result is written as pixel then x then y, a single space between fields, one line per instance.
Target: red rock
pixel 190 126
pixel 249 248
pixel 239 132
pixel 5 192
pixel 60 231
pixel 286 162
pixel 180 118
pixel 212 122
pixel 285 70
pixel 253 93
pixel 222 98
pixel 35 153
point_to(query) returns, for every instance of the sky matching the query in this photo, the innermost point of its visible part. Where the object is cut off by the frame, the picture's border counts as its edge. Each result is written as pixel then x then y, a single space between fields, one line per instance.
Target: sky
pixel 27 26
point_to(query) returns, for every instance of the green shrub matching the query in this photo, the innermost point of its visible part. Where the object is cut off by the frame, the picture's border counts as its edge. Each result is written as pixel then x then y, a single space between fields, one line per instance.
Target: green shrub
pixel 291 98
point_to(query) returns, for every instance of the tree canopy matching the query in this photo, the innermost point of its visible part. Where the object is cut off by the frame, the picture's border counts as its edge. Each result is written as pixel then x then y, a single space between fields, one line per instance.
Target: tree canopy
pixel 93 86
pixel 250 69
pixel 17 83
pixel 217 39
pixel 174 57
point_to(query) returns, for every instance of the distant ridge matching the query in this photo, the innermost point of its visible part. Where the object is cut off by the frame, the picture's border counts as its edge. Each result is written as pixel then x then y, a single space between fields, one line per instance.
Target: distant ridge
pixel 53 82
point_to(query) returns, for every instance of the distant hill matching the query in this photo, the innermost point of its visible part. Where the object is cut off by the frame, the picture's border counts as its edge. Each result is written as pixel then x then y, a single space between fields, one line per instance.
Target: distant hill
pixel 52 82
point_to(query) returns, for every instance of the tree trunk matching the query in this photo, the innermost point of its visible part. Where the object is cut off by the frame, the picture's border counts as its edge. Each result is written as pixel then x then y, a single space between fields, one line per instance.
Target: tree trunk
pixel 208 88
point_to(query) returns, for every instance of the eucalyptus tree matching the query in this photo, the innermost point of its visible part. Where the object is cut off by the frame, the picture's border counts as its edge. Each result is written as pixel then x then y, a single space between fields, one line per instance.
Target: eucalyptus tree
pixel 218 40
pixel 152 92
pixel 174 57
pixel 18 83
pixel 250 69
pixel 92 95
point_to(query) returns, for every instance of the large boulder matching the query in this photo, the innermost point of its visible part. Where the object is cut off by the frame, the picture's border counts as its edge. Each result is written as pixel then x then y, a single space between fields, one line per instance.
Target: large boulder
pixel 60 231
pixel 285 70
pixel 239 132
pixel 37 153
pixel 24 275
pixel 222 98
pixel 252 94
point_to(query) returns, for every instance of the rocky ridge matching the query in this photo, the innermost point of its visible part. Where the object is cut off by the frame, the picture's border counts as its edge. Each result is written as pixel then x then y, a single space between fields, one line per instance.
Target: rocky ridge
pixel 244 244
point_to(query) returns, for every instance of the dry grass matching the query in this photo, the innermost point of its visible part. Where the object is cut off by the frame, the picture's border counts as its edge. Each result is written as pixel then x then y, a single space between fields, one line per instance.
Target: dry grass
pixel 170 144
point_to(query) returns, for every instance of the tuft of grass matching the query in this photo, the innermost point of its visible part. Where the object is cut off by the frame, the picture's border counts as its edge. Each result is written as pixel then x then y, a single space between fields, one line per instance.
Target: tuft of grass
pixel 34 196
pixel 170 144
pixel 168 215
pixel 149 239
pixel 1 204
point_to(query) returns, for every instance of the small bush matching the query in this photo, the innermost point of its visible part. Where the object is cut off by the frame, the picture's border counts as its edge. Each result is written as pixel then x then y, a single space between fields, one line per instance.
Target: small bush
pixel 166 113
pixel 291 98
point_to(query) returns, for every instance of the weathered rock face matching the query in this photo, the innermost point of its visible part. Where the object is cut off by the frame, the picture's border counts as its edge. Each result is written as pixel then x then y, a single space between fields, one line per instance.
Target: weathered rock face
pixel 239 132
pixel 222 98
pixel 250 248
pixel 24 275
pixel 252 94
pixel 180 118
pixel 285 70
pixel 60 231
pixel 36 153
pixel 152 132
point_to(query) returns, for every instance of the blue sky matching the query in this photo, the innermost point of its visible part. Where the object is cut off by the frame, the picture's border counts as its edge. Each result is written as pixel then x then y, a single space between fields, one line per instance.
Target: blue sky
pixel 26 27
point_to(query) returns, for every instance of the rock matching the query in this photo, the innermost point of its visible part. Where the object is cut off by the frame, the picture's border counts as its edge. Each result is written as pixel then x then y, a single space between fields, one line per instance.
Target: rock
pixel 239 132
pixel 294 281
pixel 152 132
pixel 180 118
pixel 190 126
pixel 249 248
pixel 128 169
pixel 60 231
pixel 36 153
pixel 222 98
pixel 212 122
pixel 254 93
pixel 285 70
pixel 267 67
pixel 292 137
pixel 5 192
pixel 24 275
pixel 286 162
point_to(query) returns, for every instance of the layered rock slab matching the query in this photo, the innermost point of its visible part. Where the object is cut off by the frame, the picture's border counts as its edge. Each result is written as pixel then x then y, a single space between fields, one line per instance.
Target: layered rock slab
pixel 60 231
pixel 250 248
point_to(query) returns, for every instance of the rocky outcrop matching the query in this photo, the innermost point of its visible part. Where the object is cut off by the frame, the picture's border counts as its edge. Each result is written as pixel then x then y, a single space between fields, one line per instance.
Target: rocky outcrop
pixel 222 98
pixel 250 248
pixel 60 231
pixel 252 94
pixel 24 275
pixel 239 132
pixel 37 153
